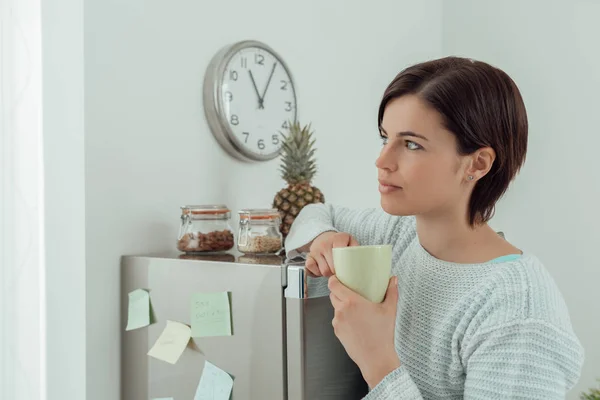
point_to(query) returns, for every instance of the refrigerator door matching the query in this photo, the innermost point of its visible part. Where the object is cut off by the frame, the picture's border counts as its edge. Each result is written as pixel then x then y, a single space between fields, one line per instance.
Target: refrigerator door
pixel 253 355
pixel 318 366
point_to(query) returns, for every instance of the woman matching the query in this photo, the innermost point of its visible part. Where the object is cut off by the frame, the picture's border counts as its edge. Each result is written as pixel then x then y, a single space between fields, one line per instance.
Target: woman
pixel 466 313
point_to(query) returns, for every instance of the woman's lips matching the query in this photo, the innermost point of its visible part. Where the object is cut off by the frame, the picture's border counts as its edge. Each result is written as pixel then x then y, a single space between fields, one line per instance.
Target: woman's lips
pixel 385 188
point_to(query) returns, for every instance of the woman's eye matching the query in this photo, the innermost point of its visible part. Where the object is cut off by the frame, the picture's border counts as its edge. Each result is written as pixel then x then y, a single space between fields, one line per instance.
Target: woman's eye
pixel 384 140
pixel 412 145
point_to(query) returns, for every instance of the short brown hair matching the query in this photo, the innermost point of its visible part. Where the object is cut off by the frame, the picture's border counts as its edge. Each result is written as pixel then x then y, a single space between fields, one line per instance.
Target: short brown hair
pixel 482 106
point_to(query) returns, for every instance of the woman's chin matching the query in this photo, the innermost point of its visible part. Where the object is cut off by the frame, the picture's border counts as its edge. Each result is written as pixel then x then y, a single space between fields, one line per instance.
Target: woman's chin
pixel 394 206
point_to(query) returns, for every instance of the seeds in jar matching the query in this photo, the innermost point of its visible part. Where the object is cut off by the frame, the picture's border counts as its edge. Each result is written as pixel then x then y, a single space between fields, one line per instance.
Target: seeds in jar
pixel 261 244
pixel 200 242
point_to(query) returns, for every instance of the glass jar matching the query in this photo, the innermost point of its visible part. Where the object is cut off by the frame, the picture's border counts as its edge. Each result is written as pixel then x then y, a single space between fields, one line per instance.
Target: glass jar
pixel 259 231
pixel 205 229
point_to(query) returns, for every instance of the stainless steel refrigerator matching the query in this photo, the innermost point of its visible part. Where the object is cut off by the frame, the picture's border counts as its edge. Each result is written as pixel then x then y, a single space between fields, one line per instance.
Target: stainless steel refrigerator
pixel 282 344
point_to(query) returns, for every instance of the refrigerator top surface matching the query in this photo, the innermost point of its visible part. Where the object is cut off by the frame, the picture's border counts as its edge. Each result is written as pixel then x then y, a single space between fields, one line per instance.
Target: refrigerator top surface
pixel 228 257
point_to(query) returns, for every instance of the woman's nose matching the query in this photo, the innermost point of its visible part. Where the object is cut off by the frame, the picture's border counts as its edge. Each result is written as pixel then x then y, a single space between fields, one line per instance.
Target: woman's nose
pixel 386 160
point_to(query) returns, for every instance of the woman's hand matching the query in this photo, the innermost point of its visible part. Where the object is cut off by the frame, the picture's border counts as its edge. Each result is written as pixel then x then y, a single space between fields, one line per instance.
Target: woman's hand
pixel 320 258
pixel 366 329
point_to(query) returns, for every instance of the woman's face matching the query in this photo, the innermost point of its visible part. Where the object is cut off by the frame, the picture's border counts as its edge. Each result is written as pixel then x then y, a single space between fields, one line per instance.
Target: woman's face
pixel 419 168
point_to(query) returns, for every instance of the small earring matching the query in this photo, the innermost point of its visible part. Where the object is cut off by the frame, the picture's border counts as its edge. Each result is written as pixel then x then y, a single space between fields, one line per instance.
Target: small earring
pixel 470 177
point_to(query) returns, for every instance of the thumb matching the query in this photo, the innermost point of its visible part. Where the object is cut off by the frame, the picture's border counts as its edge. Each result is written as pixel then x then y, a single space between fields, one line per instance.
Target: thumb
pixel 391 295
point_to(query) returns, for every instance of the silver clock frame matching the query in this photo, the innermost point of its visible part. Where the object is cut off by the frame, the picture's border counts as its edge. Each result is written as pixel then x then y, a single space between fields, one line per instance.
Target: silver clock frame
pixel 213 100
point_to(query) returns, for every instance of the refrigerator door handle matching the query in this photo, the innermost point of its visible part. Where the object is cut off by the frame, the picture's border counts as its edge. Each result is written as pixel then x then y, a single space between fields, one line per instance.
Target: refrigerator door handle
pixel 295 281
pixel 299 285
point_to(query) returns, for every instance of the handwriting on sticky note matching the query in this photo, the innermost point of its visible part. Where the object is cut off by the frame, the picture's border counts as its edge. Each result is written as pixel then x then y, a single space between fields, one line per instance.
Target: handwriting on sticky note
pixel 139 309
pixel 210 314
pixel 171 343
pixel 215 384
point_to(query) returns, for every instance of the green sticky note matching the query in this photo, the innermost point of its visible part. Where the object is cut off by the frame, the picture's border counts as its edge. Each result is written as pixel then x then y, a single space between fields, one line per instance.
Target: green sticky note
pixel 139 309
pixel 210 314
pixel 215 384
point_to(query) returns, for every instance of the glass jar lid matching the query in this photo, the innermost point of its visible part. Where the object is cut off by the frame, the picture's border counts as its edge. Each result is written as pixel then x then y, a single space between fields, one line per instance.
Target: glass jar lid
pixel 209 211
pixel 259 214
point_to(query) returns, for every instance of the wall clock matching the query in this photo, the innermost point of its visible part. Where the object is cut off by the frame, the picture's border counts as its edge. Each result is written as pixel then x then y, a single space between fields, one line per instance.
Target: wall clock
pixel 249 97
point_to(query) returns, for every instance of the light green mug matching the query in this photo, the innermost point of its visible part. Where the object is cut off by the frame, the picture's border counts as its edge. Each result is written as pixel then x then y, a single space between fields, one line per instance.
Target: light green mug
pixel 364 269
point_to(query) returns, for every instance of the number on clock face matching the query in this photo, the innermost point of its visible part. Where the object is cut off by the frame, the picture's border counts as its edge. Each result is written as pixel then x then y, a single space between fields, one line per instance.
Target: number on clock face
pixel 258 99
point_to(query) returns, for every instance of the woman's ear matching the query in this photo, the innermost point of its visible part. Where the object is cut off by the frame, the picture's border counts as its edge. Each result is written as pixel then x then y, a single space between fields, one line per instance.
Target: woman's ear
pixel 481 163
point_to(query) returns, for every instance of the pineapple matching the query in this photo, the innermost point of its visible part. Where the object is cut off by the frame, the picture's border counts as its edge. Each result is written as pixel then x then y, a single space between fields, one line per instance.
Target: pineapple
pixel 298 168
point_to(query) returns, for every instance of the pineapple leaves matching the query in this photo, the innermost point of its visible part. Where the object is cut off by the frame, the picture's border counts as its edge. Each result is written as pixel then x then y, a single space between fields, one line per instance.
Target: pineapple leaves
pixel 298 149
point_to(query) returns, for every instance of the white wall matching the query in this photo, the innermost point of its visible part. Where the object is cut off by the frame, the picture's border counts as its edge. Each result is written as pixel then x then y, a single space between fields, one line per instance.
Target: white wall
pixel 551 50
pixel 22 340
pixel 148 147
pixel 64 198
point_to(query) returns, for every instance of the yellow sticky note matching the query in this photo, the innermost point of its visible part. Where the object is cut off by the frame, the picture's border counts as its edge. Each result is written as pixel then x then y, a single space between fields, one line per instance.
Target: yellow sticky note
pixel 210 314
pixel 139 309
pixel 171 343
pixel 215 384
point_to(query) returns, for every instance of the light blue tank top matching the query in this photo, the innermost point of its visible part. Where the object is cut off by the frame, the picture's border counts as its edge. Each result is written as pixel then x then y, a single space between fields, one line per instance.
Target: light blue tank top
pixel 506 258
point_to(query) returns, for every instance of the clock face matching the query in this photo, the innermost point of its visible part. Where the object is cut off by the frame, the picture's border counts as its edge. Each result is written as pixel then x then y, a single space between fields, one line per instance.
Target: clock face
pixel 258 101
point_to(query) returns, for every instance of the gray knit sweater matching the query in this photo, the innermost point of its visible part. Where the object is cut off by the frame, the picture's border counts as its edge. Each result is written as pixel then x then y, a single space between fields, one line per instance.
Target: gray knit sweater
pixel 463 331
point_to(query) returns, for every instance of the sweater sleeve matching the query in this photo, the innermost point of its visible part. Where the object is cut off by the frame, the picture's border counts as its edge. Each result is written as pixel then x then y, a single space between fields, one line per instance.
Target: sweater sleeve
pixel 397 385
pixel 526 359
pixel 368 225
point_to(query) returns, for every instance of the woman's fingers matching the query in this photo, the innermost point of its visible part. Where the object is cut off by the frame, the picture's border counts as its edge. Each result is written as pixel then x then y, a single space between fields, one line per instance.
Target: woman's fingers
pixel 312 267
pixel 335 301
pixel 323 265
pixel 328 256
pixel 320 257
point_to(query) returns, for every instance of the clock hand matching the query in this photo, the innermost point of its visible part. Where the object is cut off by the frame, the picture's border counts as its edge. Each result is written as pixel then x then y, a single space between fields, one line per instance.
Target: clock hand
pixel 260 99
pixel 269 81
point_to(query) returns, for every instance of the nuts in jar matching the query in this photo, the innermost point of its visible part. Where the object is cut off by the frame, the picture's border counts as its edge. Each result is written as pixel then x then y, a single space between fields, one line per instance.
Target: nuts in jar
pixel 261 244
pixel 259 231
pixel 205 229
pixel 200 242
